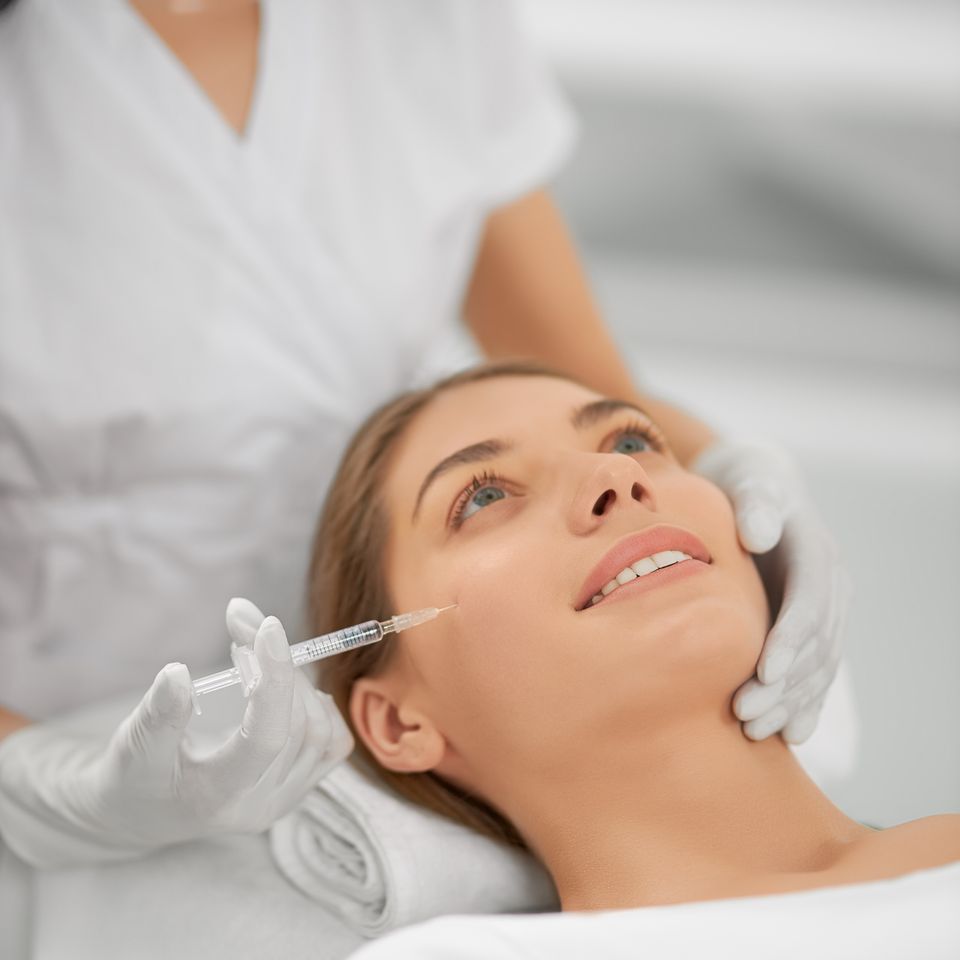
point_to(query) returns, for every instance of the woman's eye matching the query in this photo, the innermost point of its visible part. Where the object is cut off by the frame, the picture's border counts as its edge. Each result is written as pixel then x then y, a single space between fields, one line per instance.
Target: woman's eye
pixel 631 443
pixel 482 498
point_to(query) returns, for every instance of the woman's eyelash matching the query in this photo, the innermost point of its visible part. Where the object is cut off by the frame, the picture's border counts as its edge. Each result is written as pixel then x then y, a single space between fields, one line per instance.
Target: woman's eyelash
pixel 478 482
pixel 648 431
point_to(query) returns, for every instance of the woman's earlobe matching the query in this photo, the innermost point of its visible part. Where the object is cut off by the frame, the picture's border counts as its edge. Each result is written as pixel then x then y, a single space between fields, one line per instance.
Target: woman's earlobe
pixel 400 738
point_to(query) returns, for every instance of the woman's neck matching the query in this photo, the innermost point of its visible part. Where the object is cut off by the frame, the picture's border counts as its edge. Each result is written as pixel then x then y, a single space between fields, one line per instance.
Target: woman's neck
pixel 696 813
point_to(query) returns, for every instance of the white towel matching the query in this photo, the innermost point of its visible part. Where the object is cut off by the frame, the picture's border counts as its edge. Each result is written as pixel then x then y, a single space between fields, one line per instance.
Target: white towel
pixel 913 917
pixel 381 862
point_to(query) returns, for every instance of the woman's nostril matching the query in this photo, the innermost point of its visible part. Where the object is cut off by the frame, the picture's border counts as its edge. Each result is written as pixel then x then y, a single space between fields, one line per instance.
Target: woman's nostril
pixel 636 491
pixel 605 498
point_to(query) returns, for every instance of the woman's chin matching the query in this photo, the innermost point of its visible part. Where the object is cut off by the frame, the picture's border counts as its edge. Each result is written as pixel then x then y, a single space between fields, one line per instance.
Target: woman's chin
pixel 713 632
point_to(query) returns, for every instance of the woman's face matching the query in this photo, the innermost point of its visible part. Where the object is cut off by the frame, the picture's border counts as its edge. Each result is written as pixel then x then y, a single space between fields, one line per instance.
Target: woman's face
pixel 506 497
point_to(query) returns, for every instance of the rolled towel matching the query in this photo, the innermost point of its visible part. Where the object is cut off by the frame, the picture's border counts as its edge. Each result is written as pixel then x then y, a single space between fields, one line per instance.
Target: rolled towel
pixel 380 862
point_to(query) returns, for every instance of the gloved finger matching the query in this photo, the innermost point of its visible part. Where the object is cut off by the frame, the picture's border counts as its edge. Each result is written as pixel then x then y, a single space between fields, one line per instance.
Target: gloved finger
pixel 155 727
pixel 840 609
pixel 760 483
pixel 328 739
pixel 812 689
pixel 806 592
pixel 754 699
pixel 244 758
pixel 794 701
pixel 794 629
pixel 321 753
pixel 279 770
pixel 799 729
pixel 243 619
pixel 269 710
pixel 327 729
pixel 768 724
pixel 759 509
pixel 821 652
pixel 306 773
pixel 810 658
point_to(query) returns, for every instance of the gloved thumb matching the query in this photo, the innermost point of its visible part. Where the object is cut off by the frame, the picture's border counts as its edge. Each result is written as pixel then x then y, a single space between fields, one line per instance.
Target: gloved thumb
pixel 156 725
pixel 243 621
pixel 752 477
pixel 759 520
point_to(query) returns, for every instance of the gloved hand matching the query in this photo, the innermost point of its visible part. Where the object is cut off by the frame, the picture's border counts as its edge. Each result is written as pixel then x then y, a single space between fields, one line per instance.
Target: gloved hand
pixel 802 652
pixel 67 800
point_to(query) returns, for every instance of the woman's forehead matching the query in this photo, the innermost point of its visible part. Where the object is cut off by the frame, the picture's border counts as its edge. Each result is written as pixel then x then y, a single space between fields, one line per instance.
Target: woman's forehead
pixel 513 409
pixel 503 408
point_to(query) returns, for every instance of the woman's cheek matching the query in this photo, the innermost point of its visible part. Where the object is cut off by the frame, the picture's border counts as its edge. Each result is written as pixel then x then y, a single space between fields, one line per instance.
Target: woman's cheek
pixel 490 585
pixel 495 619
pixel 720 525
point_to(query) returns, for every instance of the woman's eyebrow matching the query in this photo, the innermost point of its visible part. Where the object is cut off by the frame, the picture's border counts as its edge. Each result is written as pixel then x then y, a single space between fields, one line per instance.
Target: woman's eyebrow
pixel 583 417
pixel 596 410
pixel 475 453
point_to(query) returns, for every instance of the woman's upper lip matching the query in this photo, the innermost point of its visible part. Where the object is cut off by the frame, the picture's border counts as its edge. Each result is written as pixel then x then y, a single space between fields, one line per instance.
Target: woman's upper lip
pixel 635 547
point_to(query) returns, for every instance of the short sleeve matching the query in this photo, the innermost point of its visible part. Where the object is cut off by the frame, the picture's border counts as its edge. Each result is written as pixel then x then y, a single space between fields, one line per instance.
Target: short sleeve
pixel 523 127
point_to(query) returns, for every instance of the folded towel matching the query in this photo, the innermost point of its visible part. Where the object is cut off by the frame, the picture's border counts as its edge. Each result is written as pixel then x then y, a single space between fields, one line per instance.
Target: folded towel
pixel 380 862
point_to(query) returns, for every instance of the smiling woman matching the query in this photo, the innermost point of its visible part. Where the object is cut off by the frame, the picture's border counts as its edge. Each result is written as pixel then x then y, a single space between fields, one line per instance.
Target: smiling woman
pixel 596 732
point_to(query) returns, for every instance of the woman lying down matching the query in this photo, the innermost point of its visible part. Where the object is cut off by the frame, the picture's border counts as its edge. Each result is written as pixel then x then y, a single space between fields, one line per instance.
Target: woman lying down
pixel 578 699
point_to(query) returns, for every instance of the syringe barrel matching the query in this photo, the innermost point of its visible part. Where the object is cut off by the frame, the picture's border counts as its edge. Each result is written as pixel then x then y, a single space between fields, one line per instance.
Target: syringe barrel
pixel 339 641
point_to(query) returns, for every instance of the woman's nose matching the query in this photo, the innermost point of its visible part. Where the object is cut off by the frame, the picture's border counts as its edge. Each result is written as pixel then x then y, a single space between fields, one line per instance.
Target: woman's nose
pixel 610 483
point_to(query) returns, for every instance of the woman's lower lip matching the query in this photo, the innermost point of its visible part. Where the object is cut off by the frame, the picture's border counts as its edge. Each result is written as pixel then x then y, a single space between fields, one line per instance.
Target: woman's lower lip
pixel 662 577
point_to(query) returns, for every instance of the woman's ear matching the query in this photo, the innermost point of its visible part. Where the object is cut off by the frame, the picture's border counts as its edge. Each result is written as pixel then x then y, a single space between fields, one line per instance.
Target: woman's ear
pixel 400 737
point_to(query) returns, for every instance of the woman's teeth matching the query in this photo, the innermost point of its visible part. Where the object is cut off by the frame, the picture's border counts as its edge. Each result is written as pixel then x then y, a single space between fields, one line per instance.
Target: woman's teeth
pixel 665 558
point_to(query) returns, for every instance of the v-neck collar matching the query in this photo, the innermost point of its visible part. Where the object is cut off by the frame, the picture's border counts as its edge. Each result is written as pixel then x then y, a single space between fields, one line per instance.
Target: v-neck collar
pixel 172 92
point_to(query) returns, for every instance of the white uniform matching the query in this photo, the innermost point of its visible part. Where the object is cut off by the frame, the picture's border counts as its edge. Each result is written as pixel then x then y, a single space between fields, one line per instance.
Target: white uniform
pixel 192 323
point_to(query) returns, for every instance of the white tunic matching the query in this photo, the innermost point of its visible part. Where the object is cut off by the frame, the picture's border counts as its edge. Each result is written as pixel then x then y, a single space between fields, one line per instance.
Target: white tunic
pixel 192 323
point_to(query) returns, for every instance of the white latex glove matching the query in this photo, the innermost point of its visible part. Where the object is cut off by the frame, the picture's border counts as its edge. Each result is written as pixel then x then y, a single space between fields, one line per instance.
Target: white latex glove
pixel 802 651
pixel 66 800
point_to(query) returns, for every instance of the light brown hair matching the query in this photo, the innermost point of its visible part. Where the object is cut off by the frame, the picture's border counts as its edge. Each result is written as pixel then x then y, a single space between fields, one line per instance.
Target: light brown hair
pixel 346 583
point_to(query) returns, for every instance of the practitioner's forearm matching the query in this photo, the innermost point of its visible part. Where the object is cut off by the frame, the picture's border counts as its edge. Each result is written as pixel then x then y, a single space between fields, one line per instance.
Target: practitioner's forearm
pixel 529 297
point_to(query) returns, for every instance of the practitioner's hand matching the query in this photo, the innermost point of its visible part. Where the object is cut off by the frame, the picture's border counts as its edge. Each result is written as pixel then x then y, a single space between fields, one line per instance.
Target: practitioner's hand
pixel 801 654
pixel 67 800
pixel 315 720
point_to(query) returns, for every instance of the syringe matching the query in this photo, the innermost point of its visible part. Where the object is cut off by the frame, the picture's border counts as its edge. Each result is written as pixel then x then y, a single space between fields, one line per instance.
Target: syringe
pixel 246 670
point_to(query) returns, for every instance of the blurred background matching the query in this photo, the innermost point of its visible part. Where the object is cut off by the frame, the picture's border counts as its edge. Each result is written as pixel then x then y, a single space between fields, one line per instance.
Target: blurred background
pixel 767 196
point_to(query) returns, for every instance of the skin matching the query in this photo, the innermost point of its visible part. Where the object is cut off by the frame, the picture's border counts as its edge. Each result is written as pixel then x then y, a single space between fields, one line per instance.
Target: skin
pixel 217 41
pixel 605 735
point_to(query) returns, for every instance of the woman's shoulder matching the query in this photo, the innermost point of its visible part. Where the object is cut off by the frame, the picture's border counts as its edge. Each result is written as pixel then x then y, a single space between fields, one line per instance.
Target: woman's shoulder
pixel 917 844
